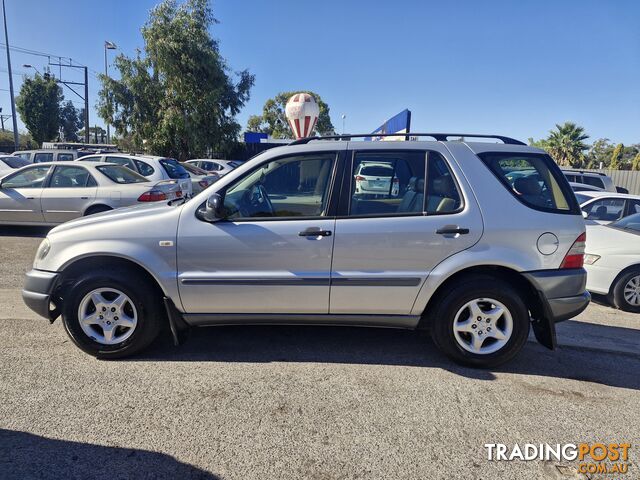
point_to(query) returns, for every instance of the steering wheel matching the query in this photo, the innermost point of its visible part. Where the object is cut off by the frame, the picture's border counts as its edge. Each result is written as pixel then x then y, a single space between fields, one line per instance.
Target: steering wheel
pixel 257 200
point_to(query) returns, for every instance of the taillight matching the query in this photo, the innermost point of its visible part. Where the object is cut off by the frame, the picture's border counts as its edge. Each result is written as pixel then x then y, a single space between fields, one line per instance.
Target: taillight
pixel 178 193
pixel 575 256
pixel 359 178
pixel 153 196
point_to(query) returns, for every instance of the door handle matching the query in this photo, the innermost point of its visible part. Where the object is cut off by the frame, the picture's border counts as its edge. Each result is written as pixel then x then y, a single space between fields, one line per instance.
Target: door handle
pixel 452 230
pixel 314 232
pixel 84 198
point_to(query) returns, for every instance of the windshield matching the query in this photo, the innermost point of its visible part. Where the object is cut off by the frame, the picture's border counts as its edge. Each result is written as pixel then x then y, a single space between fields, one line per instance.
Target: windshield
pixel 632 222
pixel 121 174
pixel 173 168
pixel 15 162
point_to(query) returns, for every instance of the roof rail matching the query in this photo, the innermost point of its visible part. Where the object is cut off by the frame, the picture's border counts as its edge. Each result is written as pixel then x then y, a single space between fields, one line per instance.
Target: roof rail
pixel 440 137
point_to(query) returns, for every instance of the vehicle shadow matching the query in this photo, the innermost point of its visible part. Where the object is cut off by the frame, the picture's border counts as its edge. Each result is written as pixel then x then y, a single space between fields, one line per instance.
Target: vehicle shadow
pixel 372 346
pixel 23 231
pixel 24 455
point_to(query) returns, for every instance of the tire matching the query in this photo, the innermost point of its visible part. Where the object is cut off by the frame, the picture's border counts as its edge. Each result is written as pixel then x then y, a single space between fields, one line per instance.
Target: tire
pixel 97 209
pixel 629 281
pixel 142 310
pixel 453 329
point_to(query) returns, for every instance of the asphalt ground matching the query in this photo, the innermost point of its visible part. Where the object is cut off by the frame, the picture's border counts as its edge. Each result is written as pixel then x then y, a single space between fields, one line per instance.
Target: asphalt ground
pixel 302 402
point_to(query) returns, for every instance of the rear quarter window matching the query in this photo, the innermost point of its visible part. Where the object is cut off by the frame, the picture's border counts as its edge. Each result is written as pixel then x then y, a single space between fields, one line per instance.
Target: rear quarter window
pixel 534 179
pixel 593 181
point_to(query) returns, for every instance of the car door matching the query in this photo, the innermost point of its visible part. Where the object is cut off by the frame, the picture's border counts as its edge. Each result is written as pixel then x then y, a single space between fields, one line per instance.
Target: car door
pixel 272 254
pixel 68 193
pixel 20 195
pixel 386 244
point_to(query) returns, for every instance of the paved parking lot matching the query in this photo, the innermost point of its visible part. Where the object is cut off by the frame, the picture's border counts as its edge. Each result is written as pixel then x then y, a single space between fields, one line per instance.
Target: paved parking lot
pixel 296 402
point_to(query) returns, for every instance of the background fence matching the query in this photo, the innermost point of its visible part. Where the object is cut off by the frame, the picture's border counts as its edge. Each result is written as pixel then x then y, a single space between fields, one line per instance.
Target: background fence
pixel 629 179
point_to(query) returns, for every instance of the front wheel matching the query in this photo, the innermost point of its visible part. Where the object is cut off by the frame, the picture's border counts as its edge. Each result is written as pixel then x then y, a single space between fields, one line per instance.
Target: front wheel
pixel 112 314
pixel 481 322
pixel 625 293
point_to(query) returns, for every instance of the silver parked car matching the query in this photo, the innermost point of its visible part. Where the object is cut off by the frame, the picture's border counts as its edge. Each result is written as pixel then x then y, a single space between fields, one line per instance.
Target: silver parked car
pixel 52 193
pixel 459 250
pixel 220 167
pixel 200 179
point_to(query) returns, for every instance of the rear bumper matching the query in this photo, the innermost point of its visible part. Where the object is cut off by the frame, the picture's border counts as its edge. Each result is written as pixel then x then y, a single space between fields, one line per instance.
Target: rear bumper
pixel 562 292
pixel 38 287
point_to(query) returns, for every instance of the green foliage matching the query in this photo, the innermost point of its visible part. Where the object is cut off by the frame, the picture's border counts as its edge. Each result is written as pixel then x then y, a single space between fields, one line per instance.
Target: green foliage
pixel 39 107
pixel 599 153
pixel 566 144
pixel 176 99
pixel 274 121
pixel 70 121
pixel 7 145
pixel 616 157
pixel 635 165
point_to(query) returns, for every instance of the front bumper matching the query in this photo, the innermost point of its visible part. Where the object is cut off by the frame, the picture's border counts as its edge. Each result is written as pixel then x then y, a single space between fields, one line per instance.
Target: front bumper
pixel 38 287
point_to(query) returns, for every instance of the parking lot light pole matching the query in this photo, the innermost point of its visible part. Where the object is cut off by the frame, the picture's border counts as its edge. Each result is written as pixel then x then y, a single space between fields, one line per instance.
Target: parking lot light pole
pixel 16 139
pixel 28 65
pixel 108 46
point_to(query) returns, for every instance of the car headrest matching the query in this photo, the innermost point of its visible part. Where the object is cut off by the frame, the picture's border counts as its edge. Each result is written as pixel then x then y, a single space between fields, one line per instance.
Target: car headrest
pixel 60 181
pixel 443 186
pixel 527 186
pixel 420 185
pixel 601 211
pixel 411 186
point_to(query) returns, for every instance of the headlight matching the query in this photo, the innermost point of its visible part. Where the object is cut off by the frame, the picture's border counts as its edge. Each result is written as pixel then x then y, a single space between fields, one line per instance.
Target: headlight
pixel 43 249
pixel 590 259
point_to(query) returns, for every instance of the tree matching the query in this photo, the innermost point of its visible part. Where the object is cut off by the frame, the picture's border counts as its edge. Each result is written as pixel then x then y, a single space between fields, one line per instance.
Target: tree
pixel 177 98
pixel 70 121
pixel 566 144
pixel 274 121
pixel 616 157
pixel 636 162
pixel 39 107
pixel 599 153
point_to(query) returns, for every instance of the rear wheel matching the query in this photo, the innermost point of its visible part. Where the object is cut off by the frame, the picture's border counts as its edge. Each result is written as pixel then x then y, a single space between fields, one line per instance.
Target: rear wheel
pixel 481 322
pixel 625 293
pixel 97 209
pixel 112 314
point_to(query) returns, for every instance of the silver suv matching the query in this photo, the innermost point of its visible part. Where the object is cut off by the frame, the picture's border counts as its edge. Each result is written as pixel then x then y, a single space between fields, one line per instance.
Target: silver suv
pixel 474 241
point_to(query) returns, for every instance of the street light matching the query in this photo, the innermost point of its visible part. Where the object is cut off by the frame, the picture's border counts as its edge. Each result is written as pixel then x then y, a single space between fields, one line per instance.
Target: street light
pixel 108 46
pixel 28 65
pixel 344 117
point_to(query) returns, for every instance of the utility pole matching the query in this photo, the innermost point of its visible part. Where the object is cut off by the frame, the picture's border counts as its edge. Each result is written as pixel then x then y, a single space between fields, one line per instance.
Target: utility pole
pixel 108 46
pixel 86 105
pixel 16 140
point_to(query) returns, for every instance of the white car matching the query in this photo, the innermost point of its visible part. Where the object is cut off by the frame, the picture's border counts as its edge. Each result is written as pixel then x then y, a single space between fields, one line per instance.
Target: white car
pixel 612 261
pixel 55 192
pixel 8 163
pixel 221 167
pixel 376 179
pixel 152 167
pixel 200 179
pixel 607 207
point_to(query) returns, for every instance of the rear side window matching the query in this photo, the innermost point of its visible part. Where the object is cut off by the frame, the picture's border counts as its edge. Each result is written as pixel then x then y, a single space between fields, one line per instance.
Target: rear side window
pixel 144 168
pixel 593 181
pixel 42 157
pixel 65 157
pixel 120 174
pixel 605 209
pixel 534 179
pixel 173 168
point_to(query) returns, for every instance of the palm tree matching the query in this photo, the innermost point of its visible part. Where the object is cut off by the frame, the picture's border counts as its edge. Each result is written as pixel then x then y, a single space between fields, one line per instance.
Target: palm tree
pixel 566 144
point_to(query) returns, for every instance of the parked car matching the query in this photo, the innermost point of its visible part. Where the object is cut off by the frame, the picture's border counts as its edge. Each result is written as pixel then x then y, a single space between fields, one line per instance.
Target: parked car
pixel 606 207
pixel 9 163
pixel 376 179
pixel 595 179
pixel 221 167
pixel 581 187
pixel 49 155
pixel 152 167
pixel 612 261
pixel 472 258
pixel 200 179
pixel 55 192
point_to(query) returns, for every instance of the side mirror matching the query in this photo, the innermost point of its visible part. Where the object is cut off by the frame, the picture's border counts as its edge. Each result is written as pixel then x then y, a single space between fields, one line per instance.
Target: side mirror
pixel 214 209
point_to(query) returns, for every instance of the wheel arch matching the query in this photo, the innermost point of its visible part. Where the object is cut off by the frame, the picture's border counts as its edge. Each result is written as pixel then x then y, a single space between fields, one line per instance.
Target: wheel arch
pixel 623 272
pixel 97 206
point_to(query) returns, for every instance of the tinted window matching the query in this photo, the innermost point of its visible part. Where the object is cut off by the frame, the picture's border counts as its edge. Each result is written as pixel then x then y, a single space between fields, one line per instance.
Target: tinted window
pixel 28 178
pixel 594 181
pixel 42 157
pixel 541 186
pixel 173 168
pixel 443 195
pixel 582 198
pixel 121 174
pixel 144 168
pixel 632 222
pixel 605 209
pixel 634 206
pixel 25 155
pixel 125 162
pixel 387 183
pixel 15 162
pixel 573 178
pixel 65 157
pixel 70 177
pixel 287 187
pixel 90 159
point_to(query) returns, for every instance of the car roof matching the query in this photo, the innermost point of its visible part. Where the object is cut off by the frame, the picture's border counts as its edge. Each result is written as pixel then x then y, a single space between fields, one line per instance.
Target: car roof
pixel 72 163
pixel 609 194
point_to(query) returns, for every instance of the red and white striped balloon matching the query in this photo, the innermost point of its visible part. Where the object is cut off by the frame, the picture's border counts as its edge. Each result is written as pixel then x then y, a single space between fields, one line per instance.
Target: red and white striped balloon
pixel 302 114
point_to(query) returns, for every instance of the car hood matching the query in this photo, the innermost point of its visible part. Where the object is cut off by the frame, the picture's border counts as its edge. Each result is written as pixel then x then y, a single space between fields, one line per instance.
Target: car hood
pixel 605 239
pixel 136 212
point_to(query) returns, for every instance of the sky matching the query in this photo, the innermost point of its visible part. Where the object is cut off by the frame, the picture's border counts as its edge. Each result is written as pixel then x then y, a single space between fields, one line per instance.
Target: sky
pixel 514 68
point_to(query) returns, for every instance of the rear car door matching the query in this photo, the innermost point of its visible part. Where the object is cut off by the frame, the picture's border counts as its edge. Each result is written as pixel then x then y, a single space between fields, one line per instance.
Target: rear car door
pixel 387 243
pixel 68 193
pixel 20 195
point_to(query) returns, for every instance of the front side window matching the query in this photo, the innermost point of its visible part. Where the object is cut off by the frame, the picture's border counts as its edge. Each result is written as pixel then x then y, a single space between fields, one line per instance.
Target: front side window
pixel 387 183
pixel 533 179
pixel 42 157
pixel 71 177
pixel 605 209
pixel 296 186
pixel 120 174
pixel 33 177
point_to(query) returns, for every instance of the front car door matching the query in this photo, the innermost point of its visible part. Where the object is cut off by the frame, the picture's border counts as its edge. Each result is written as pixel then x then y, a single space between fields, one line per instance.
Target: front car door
pixel 20 195
pixel 68 193
pixel 386 243
pixel 272 255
